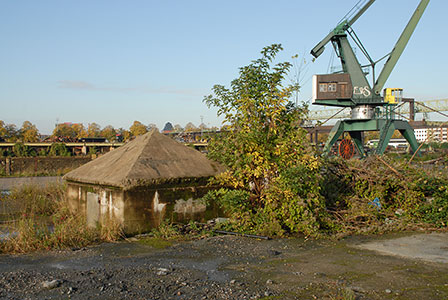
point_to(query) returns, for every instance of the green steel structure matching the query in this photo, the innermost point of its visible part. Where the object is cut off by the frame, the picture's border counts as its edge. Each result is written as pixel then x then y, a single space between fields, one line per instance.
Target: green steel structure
pixel 351 88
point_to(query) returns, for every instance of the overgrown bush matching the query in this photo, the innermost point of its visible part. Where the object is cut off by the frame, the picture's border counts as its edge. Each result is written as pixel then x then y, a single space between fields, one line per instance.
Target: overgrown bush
pixel 384 194
pixel 42 152
pixel 272 182
pixel 59 149
pixel 21 150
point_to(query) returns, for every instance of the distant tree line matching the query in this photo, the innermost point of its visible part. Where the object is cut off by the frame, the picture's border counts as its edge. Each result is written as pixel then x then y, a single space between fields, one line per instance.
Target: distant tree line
pixel 64 132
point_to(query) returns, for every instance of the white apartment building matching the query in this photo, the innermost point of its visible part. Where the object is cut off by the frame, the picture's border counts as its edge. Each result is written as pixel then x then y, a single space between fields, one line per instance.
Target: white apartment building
pixel 435 134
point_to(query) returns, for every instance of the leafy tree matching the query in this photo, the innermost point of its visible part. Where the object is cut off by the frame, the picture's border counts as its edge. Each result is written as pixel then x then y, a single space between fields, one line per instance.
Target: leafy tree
pixel 29 132
pixel 273 174
pixel 64 130
pixel 2 130
pixel 124 134
pixel 93 130
pixel 138 128
pixel 79 130
pixel 109 133
pixel 371 135
pixel 12 134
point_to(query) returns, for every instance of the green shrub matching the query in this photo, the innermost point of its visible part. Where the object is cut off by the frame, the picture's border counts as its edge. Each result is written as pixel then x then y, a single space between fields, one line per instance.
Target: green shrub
pixel 42 152
pixel 20 150
pixel 59 149
pixel 93 150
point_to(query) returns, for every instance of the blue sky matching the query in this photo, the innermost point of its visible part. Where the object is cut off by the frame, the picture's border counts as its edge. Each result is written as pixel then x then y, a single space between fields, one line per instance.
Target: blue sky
pixel 113 62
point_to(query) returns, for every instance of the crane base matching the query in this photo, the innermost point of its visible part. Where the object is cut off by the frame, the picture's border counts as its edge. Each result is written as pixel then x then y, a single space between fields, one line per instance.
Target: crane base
pixel 386 127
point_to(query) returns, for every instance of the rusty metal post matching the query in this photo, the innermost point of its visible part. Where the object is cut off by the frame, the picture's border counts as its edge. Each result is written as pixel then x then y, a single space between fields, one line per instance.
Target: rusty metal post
pixel 411 102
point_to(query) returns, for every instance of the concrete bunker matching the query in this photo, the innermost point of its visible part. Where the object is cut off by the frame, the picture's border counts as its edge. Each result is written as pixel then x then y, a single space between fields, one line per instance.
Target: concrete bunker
pixel 140 184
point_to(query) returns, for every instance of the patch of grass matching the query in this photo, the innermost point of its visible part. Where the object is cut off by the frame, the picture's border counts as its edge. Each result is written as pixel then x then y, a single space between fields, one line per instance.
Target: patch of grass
pixel 176 231
pixel 166 230
pixel 345 294
pixel 111 230
pixel 33 235
pixel 355 276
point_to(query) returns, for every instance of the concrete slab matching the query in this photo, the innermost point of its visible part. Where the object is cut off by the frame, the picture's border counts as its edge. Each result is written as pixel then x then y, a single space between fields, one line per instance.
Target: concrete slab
pixel 431 247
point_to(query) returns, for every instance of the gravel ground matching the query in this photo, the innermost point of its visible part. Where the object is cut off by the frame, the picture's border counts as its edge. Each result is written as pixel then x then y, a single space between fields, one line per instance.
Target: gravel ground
pixel 221 267
pixel 131 270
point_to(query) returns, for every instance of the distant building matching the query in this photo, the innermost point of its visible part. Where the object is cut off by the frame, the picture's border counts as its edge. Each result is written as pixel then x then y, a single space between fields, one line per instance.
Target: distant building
pixel 432 134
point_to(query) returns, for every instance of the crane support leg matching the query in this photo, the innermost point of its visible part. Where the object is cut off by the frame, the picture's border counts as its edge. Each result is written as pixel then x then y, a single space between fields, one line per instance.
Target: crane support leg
pixel 386 127
pixel 409 135
pixel 335 133
pixel 386 132
pixel 357 138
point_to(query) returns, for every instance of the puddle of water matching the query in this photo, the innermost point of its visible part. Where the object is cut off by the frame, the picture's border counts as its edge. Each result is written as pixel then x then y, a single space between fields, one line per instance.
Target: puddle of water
pixel 210 267
pixel 58 266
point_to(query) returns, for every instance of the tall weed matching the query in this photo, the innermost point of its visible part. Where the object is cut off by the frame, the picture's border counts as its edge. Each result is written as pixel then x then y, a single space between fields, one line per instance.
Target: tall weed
pixel 40 219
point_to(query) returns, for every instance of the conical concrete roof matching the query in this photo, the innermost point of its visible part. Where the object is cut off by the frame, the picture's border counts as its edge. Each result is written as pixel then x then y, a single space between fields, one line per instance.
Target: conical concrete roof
pixel 152 158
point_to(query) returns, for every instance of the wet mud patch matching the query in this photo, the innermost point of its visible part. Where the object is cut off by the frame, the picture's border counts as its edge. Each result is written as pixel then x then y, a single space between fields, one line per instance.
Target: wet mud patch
pixel 224 267
pixel 329 269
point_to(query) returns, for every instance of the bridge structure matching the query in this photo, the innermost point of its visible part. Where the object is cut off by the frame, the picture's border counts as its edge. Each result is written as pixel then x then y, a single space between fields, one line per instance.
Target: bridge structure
pixel 76 148
pixel 84 148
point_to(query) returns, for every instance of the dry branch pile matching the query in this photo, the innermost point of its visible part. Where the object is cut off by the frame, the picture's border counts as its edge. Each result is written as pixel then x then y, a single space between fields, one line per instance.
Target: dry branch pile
pixel 379 194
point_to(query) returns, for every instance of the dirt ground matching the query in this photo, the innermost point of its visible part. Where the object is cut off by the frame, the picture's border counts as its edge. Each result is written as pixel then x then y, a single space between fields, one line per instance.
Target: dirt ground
pixel 232 267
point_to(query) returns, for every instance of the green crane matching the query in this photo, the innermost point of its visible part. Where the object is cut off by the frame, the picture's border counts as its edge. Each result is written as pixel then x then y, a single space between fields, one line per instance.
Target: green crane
pixel 351 88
